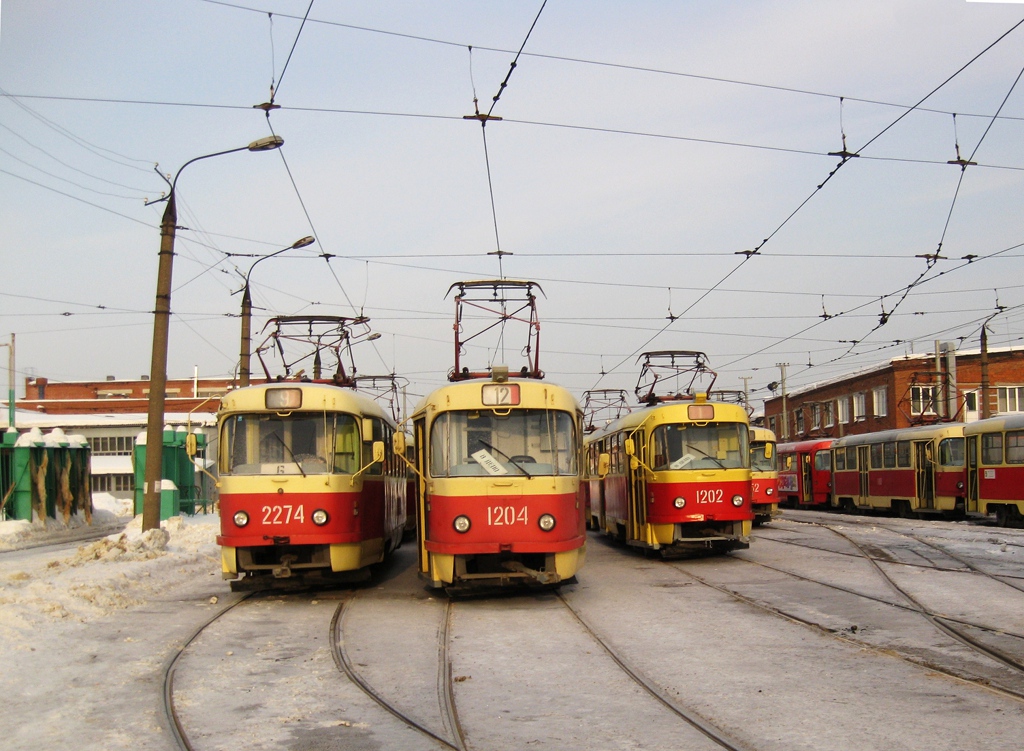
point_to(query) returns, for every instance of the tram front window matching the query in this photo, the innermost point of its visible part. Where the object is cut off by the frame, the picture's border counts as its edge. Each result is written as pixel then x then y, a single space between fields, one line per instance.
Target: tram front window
pixel 682 447
pixel 526 442
pixel 758 461
pixel 298 443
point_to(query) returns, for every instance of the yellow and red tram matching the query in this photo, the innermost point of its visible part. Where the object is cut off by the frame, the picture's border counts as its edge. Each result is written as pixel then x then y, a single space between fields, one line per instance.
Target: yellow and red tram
pixel 764 475
pixel 909 471
pixel 674 477
pixel 309 485
pixel 500 502
pixel 995 468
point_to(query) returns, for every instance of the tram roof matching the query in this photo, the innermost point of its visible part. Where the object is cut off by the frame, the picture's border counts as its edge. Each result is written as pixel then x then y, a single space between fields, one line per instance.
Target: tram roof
pixel 316 397
pixel 670 412
pixel 918 432
pixel 465 395
pixel 1010 421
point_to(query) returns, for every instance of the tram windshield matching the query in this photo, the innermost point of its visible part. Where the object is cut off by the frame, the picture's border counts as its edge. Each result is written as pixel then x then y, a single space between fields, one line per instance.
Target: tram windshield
pixel 711 446
pixel 525 442
pixel 303 443
pixel 759 462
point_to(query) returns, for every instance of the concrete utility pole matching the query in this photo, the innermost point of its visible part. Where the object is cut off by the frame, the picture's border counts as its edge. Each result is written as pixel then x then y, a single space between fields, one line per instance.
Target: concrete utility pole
pixel 746 391
pixel 161 325
pixel 10 383
pixel 785 405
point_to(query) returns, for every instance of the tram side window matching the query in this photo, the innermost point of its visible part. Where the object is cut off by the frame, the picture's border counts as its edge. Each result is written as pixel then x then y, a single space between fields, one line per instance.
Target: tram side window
pixel 951 452
pixel 823 461
pixel 876 456
pixel 889 454
pixel 992 448
pixel 851 457
pixel 903 453
pixel 1015 447
pixel 840 459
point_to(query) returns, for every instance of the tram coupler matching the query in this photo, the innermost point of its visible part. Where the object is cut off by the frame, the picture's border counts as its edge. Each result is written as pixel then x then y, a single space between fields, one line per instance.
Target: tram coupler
pixel 284 571
pixel 542 577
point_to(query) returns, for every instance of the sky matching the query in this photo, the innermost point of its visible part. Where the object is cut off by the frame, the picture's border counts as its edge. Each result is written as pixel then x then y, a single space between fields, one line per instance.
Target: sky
pixel 645 151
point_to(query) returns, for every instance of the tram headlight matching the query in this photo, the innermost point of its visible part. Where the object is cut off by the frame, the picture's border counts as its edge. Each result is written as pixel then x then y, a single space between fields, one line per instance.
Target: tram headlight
pixel 959 486
pixel 679 502
pixel 461 524
pixel 546 522
pixel 770 491
pixel 320 517
pixel 737 500
pixel 241 518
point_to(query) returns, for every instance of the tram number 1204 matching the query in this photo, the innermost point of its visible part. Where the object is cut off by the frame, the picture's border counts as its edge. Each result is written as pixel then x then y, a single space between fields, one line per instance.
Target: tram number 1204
pixel 506 516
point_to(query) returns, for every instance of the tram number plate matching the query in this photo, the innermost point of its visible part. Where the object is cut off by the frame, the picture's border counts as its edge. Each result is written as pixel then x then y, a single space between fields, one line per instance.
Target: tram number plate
pixel 283 514
pixel 506 516
pixel 713 495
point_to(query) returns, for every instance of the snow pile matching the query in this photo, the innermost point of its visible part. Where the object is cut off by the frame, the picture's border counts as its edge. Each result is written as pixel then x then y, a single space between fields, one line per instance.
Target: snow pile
pixel 100 577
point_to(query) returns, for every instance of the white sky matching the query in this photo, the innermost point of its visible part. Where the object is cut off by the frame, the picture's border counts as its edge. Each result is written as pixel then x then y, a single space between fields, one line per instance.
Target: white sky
pixel 626 193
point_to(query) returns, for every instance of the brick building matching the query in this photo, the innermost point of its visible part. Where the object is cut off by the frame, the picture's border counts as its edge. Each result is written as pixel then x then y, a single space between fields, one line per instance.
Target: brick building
pixel 114 396
pixel 910 390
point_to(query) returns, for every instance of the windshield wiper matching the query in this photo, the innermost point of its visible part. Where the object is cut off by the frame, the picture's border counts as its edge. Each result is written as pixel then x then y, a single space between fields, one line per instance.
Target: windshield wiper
pixel 296 461
pixel 511 461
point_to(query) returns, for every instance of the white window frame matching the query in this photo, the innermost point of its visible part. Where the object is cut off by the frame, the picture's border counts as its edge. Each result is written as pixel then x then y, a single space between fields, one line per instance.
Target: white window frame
pixel 860 400
pixel 880 401
pixel 843 410
pixel 1010 399
pixel 919 396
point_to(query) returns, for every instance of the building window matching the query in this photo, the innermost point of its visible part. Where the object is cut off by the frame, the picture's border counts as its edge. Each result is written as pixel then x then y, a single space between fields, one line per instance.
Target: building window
pixel 1011 398
pixel 815 416
pixel 880 400
pixel 843 409
pixel 859 406
pixel 799 415
pixel 112 445
pixel 113 483
pixel 829 417
pixel 970 401
pixel 771 425
pixel 922 400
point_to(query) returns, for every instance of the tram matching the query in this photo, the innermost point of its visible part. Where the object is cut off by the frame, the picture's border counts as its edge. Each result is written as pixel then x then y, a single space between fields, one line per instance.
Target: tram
pixel 995 468
pixel 764 475
pixel 310 490
pixel 908 471
pixel 805 473
pixel 674 476
pixel 500 501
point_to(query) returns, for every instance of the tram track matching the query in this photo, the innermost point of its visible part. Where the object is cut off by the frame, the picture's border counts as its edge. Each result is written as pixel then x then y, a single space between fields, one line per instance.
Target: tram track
pixel 650 687
pixel 848 637
pixel 177 729
pixel 445 681
pixel 953 627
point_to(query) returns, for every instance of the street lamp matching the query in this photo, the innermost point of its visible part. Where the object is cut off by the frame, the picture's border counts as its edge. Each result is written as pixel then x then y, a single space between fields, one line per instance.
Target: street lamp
pixel 245 355
pixel 161 324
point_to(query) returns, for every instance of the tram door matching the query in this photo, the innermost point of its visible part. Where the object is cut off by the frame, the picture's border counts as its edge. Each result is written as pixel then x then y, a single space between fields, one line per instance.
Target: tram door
pixel 972 473
pixel 419 430
pixel 863 455
pixel 806 479
pixel 925 474
pixel 637 487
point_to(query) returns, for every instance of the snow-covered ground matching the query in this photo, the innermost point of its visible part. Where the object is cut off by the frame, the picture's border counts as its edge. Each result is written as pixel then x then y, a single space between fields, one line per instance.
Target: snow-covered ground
pixel 96 579
pixel 85 628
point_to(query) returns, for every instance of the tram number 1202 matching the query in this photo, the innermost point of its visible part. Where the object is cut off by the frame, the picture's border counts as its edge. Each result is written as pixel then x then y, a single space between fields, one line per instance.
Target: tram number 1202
pixel 506 516
pixel 709 495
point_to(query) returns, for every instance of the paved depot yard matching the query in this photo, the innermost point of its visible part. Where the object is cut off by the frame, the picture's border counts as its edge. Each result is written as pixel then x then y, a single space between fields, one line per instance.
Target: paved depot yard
pixel 799 642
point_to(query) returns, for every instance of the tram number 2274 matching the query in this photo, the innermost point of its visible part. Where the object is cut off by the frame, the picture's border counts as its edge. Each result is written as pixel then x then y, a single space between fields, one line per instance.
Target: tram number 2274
pixel 506 516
